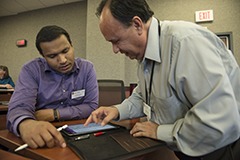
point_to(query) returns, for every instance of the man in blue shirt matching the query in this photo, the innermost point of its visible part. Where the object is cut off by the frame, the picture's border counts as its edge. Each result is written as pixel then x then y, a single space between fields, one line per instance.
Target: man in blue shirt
pixel 55 87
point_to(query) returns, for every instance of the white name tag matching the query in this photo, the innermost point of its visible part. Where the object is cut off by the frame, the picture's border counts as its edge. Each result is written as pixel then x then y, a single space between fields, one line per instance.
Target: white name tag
pixel 147 111
pixel 77 94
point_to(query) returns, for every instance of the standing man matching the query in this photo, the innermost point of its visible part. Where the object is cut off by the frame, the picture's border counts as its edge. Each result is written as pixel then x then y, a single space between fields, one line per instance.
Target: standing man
pixel 189 82
pixel 56 87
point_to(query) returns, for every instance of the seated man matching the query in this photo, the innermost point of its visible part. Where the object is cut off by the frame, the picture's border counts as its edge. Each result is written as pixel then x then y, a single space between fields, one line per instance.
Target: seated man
pixel 55 87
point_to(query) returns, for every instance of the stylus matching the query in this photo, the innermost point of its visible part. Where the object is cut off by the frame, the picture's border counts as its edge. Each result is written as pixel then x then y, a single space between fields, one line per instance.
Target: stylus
pixel 26 145
pixel 82 137
pixel 98 134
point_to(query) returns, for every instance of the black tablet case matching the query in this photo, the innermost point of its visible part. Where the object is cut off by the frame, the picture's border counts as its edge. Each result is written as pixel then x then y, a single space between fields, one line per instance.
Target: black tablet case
pixel 115 144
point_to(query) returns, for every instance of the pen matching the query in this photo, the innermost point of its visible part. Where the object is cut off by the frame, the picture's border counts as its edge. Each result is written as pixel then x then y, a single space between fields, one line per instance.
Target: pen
pixel 82 137
pixel 26 145
pixel 98 134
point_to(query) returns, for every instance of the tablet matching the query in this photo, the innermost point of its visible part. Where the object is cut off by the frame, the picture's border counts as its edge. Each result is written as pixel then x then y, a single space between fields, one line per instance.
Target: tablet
pixel 79 129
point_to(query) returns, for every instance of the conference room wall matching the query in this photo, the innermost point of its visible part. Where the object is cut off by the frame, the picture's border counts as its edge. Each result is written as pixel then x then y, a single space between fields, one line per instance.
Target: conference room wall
pixel 26 25
pixel 80 20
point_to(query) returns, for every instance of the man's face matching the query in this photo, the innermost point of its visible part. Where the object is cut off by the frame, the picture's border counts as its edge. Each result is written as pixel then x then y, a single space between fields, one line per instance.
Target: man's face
pixel 59 54
pixel 126 40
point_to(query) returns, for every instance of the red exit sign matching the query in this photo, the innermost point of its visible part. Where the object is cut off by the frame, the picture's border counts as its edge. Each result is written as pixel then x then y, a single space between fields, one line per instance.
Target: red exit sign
pixel 204 16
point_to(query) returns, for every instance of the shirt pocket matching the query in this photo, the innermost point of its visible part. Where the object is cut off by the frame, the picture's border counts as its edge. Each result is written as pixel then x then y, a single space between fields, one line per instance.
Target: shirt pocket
pixel 167 110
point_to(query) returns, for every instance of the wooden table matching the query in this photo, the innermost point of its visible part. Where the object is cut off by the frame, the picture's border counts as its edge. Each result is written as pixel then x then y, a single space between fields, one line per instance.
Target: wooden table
pixel 3 115
pixel 5 94
pixel 11 141
pixel 11 156
pixel 3 108
pixel 6 90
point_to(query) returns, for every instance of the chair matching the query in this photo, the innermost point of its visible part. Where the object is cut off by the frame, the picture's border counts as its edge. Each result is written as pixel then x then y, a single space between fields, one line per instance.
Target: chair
pixel 111 92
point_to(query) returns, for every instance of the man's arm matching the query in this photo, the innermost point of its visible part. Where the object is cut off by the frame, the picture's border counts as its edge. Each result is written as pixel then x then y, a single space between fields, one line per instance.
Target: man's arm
pixel 132 107
pixel 23 100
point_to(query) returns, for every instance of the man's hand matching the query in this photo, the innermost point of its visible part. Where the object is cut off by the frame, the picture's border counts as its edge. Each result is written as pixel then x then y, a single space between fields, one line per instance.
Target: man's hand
pixel 44 115
pixel 40 133
pixel 145 129
pixel 102 115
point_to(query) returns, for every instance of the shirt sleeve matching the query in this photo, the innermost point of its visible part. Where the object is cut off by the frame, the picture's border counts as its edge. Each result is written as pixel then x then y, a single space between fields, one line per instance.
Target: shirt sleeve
pixel 23 100
pixel 131 107
pixel 201 80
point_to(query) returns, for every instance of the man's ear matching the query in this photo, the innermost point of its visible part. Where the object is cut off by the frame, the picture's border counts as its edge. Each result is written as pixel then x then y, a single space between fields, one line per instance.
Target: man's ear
pixel 137 24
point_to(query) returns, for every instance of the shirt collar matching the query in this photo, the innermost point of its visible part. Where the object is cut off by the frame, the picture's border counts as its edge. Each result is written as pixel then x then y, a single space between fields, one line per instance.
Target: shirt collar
pixel 48 68
pixel 153 49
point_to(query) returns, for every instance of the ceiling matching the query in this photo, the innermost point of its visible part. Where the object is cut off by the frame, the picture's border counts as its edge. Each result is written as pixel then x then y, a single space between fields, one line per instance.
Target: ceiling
pixel 13 7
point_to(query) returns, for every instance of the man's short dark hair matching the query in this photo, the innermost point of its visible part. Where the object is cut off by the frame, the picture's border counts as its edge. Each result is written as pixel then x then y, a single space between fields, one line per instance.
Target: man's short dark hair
pixel 125 10
pixel 50 33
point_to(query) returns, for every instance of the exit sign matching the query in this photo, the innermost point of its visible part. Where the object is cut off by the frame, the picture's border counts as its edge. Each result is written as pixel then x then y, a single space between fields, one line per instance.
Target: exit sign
pixel 204 16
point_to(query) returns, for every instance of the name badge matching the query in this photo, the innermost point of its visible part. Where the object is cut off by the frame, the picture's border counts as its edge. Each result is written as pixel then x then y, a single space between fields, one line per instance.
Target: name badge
pixel 77 94
pixel 147 111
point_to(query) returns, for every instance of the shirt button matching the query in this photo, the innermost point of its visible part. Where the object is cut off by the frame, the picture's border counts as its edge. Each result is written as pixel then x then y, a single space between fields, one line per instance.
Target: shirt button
pixel 64 90
pixel 61 102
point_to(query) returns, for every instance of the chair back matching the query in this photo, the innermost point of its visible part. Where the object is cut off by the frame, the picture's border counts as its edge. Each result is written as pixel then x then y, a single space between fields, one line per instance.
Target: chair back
pixel 111 92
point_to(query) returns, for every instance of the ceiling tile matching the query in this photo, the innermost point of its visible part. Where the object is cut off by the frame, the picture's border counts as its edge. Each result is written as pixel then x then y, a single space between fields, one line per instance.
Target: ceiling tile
pixel 71 1
pixel 30 4
pixel 11 7
pixel 50 3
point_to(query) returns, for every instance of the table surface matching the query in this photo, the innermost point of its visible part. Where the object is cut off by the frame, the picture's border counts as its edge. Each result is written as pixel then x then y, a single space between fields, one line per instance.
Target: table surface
pixel 6 90
pixel 11 141
pixel 11 156
pixel 3 108
pixel 3 116
pixel 5 94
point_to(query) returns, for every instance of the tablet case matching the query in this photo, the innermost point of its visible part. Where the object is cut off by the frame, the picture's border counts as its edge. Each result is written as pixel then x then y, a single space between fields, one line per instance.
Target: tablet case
pixel 115 144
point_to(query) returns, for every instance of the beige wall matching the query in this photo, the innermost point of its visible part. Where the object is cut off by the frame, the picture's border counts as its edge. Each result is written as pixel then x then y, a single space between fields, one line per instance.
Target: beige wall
pixel 72 17
pixel 108 64
pixel 226 15
pixel 80 20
